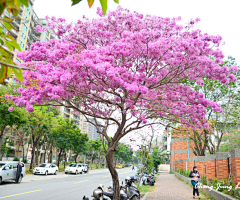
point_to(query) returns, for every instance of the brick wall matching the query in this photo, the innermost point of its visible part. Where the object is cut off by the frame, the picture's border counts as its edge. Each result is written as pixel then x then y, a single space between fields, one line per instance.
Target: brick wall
pixel 214 165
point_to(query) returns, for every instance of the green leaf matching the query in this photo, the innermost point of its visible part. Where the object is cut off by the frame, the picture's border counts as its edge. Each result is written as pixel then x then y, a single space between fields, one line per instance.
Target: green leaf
pixel 9 46
pixel 1 41
pixel 4 53
pixel 104 6
pixel 3 73
pixel 8 19
pixel 9 72
pixel 116 1
pixel 18 74
pixel 74 2
pixel 24 2
pixel 90 3
pixel 7 25
pixel 15 44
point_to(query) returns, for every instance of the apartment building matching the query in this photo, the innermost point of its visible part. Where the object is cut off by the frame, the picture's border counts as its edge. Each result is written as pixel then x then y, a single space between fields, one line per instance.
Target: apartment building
pixel 26 26
pixel 90 129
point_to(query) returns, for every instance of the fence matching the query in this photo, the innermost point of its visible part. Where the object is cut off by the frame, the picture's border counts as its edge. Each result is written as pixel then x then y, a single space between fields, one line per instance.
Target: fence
pixel 221 165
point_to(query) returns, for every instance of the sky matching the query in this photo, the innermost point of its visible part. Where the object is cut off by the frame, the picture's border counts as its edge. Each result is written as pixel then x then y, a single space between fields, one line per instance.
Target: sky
pixel 218 17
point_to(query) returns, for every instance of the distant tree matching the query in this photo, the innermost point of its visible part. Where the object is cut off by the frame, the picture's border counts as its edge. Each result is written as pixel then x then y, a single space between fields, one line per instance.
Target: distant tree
pixel 65 135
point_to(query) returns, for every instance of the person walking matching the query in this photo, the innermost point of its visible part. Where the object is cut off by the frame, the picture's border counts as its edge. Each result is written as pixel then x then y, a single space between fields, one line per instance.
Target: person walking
pixel 194 175
pixel 19 171
pixel 133 167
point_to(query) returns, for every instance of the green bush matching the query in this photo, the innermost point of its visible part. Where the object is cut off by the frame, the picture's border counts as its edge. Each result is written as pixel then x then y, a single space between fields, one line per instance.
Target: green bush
pixel 25 160
pixel 182 171
pixel 170 172
pixel 70 162
pixel 29 171
pixel 15 159
pixel 204 180
pixel 186 173
pixel 177 170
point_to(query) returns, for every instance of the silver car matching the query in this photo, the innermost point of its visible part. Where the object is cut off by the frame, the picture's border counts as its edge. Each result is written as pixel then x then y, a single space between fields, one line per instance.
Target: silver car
pixel 8 171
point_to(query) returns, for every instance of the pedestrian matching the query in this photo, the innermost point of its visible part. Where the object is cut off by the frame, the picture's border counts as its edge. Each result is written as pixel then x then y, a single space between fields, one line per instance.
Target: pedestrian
pixel 19 171
pixel 194 175
pixel 133 167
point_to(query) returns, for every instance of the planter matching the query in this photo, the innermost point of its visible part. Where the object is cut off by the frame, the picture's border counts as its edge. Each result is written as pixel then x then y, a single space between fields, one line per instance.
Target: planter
pixel 204 188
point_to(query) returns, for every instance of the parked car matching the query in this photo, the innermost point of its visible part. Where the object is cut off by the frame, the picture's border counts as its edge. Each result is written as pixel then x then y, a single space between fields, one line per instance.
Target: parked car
pixel 85 168
pixel 46 168
pixel 8 171
pixel 75 168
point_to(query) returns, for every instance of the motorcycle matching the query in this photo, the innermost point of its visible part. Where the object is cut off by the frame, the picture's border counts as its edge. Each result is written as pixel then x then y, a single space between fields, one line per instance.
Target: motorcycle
pixel 148 179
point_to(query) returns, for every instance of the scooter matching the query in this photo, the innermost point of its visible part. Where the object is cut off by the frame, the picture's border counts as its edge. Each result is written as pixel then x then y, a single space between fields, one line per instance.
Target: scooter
pixel 129 189
pixel 148 179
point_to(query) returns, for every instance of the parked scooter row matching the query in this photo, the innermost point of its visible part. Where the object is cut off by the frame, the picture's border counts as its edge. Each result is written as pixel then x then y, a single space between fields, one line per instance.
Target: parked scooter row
pixel 127 191
pixel 148 179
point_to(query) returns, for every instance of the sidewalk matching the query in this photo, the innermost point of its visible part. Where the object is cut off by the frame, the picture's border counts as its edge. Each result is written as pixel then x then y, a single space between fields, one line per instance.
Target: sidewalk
pixel 169 187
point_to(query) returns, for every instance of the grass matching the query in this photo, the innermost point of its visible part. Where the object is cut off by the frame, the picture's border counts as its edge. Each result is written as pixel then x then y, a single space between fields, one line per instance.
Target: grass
pixel 145 188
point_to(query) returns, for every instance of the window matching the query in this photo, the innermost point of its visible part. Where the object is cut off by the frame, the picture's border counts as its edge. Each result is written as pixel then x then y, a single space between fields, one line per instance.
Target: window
pixel 30 6
pixel 46 40
pixel 23 36
pixel 47 34
pixel 21 44
pixel 27 12
pixel 17 61
pixel 15 165
pixel 24 28
pixel 26 20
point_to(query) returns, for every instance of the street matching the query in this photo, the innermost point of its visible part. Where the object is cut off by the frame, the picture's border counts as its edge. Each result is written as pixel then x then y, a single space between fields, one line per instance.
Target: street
pixel 61 186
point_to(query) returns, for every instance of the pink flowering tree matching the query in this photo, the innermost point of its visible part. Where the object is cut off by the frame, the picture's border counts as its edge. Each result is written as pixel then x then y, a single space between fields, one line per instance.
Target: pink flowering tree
pixel 124 69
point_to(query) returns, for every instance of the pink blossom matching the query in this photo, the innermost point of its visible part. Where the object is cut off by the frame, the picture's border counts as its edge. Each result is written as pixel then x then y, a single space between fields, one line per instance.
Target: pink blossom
pixel 38 28
pixel 10 109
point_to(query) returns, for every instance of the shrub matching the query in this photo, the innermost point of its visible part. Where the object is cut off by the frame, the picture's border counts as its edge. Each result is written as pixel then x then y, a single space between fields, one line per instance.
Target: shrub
pixel 182 171
pixel 170 172
pixel 29 171
pixel 70 162
pixel 25 160
pixel 186 173
pixel 204 180
pixel 16 159
pixel 177 170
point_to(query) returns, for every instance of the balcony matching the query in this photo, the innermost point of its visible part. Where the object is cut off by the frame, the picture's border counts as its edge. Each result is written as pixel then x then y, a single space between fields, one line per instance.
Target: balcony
pixel 16 23
pixel 14 32
pixel 67 110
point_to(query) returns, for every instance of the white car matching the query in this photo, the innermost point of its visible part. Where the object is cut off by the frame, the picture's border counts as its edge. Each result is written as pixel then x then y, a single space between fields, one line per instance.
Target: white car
pixel 46 168
pixel 74 169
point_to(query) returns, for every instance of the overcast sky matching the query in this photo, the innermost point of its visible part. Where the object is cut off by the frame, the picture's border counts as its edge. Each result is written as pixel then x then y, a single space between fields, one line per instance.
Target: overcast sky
pixel 218 17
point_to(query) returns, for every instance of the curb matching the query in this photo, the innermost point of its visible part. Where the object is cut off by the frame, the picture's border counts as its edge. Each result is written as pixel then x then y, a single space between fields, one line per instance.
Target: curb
pixel 145 196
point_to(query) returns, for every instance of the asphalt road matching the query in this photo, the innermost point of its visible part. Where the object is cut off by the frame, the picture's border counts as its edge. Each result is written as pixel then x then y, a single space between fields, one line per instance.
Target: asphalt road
pixel 59 187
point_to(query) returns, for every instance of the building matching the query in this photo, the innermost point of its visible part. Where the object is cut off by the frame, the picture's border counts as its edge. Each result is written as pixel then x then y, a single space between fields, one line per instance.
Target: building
pixel 90 129
pixel 69 113
pixel 26 26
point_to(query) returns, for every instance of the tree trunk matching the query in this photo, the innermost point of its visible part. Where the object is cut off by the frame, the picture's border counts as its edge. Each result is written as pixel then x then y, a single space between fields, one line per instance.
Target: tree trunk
pixel 1 136
pixel 114 174
pixel 23 152
pixel 65 160
pixel 37 152
pixel 76 158
pixel 51 153
pixel 59 155
pixel 32 164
